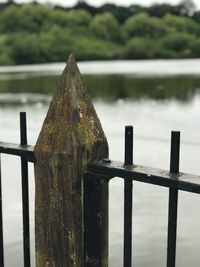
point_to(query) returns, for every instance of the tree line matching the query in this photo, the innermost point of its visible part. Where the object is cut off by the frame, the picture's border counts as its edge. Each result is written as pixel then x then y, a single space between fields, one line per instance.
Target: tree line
pixel 36 33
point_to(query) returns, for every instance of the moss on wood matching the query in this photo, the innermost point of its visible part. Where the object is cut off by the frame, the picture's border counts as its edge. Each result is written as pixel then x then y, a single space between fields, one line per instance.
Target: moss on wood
pixel 70 138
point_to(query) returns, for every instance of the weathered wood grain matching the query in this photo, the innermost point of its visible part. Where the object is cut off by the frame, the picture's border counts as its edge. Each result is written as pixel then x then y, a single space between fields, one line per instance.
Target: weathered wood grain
pixel 70 138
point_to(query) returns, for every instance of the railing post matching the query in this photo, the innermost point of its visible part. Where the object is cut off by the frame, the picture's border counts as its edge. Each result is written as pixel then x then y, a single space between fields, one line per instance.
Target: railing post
pixel 70 138
pixel 25 193
pixel 96 220
pixel 173 201
pixel 1 224
pixel 128 198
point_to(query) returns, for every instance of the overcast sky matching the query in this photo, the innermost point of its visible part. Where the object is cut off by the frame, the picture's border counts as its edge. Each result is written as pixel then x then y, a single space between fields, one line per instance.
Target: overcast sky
pixel 100 2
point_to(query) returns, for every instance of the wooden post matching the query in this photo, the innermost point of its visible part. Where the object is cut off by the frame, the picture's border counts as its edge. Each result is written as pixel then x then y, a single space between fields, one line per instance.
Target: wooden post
pixel 70 138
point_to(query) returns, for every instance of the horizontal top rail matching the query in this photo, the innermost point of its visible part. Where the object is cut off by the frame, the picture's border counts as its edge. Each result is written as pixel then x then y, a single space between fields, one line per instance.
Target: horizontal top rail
pixel 181 181
pixel 25 151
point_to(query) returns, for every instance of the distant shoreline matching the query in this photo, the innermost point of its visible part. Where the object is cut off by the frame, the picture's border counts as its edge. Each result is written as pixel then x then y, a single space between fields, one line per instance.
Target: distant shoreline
pixel 37 33
pixel 124 67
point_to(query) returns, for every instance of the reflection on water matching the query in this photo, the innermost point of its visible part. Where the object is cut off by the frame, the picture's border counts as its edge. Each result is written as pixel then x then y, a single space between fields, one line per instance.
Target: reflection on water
pixel 12 99
pixel 155 106
pixel 109 87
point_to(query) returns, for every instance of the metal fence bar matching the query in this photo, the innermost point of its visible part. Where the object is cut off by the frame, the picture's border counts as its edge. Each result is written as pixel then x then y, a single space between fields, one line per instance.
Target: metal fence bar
pixel 17 150
pixel 128 192
pixel 173 201
pixel 25 192
pixel 128 153
pixel 128 223
pixel 1 225
pixel 182 181
pixel 175 152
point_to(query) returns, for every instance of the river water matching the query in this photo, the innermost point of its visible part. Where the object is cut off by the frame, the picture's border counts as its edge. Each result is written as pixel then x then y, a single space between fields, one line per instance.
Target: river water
pixel 154 96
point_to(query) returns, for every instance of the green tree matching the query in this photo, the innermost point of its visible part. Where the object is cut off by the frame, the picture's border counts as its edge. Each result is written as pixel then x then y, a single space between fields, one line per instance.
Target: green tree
pixel 5 57
pixel 105 26
pixel 181 23
pixel 84 6
pixel 24 49
pixel 28 17
pixel 56 44
pixel 195 46
pixel 142 25
pixel 139 48
pixel 159 10
pixel 75 20
pixel 78 18
pixel 121 13
pixel 94 49
pixel 181 43
pixel 196 17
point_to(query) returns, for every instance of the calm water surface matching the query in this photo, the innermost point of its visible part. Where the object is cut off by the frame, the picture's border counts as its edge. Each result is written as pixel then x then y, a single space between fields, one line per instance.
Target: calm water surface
pixel 156 97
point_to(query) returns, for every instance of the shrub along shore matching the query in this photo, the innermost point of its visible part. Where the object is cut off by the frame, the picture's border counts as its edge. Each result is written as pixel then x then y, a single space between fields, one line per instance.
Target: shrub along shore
pixel 36 33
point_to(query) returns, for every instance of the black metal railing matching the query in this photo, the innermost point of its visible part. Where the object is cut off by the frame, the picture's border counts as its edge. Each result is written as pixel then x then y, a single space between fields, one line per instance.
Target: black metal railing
pixel 26 153
pixel 1 225
pixel 172 179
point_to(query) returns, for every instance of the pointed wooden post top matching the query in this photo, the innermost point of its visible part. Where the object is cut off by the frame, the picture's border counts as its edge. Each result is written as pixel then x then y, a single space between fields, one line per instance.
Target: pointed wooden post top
pixel 70 138
pixel 71 116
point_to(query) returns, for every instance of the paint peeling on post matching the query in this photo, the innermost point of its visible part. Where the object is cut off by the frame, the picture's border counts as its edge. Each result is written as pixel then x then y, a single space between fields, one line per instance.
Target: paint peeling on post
pixel 70 138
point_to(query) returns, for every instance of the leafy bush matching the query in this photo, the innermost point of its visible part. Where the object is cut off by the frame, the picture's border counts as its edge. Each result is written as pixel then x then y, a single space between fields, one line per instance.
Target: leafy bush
pixel 181 23
pixel 139 48
pixel 181 43
pixel 177 41
pixel 95 49
pixel 142 25
pixel 106 27
pixel 28 18
pixel 23 48
pixel 78 18
pixel 195 47
pixel 56 44
pixel 5 58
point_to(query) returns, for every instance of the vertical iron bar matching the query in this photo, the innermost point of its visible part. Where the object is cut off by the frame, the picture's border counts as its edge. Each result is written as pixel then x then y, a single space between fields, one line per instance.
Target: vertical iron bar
pixel 173 201
pixel 128 194
pixel 128 223
pixel 128 145
pixel 25 193
pixel 1 224
pixel 175 152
